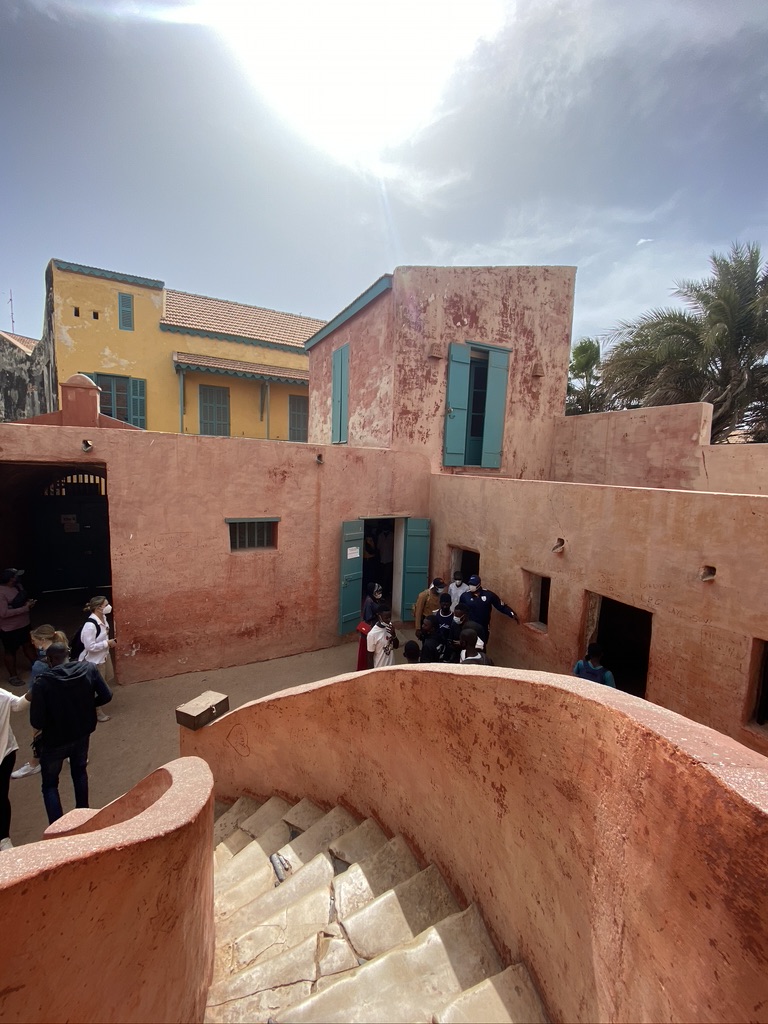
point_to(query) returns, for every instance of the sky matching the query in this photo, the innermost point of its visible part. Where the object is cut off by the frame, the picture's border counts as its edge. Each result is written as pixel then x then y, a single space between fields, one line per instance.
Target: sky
pixel 288 154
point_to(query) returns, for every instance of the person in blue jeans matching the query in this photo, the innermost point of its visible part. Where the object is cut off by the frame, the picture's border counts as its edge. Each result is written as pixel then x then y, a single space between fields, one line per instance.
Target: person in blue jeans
pixel 63 710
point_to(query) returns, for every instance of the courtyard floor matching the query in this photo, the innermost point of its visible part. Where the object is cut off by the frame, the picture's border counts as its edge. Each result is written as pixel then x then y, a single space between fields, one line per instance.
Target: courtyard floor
pixel 143 735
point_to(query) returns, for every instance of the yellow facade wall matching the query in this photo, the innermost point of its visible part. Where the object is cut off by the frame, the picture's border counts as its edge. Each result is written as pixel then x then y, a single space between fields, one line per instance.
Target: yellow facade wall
pixel 85 345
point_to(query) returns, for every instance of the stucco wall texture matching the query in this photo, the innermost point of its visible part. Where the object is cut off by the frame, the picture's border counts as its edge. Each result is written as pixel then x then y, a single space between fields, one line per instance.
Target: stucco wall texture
pixel 115 923
pixel 399 358
pixel 611 845
pixel 643 547
pixel 182 598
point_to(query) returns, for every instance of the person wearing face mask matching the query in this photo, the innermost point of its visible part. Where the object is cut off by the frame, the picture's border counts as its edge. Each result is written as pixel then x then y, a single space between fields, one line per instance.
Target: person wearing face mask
pixel 459 622
pixel 42 637
pixel 97 645
pixel 456 588
pixel 369 616
pixel 479 604
pixel 428 602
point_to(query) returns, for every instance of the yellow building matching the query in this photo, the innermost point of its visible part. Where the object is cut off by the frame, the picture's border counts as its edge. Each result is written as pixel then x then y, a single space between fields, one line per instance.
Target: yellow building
pixel 171 361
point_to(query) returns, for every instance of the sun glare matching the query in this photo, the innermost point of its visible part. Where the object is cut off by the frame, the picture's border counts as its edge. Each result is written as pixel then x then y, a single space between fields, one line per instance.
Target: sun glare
pixel 350 76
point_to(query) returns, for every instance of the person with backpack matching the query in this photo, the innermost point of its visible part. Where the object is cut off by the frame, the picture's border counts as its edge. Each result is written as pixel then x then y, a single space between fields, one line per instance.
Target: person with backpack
pixel 92 643
pixel 592 668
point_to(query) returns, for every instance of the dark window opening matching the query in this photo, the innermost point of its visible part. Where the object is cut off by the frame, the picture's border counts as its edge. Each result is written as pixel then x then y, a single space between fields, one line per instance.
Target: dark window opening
pixel 478 390
pixel 76 310
pixel 95 314
pixel 624 633
pixel 538 588
pixel 467 561
pixel 245 534
pixel 760 714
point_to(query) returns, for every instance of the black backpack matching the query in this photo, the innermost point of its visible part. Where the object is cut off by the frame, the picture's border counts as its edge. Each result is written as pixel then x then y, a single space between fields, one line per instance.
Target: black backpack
pixel 76 645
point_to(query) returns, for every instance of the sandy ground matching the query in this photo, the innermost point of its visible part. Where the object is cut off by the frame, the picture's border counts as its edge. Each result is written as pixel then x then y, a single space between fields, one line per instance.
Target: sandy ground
pixel 142 733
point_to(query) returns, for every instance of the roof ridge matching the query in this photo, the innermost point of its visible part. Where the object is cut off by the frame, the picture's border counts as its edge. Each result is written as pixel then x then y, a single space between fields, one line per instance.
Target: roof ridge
pixel 246 305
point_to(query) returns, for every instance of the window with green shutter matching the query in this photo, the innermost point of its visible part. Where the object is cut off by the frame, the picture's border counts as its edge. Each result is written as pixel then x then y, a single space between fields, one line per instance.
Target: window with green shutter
pixel 298 417
pixel 340 395
pixel 214 411
pixel 125 311
pixel 123 398
pixel 476 405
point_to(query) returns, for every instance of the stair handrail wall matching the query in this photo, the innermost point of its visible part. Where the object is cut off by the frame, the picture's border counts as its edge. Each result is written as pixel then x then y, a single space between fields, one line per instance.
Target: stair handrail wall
pixel 610 844
pixel 115 923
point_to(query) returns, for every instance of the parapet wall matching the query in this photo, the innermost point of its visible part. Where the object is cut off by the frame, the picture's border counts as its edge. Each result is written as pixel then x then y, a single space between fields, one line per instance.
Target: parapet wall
pixel 111 919
pixel 613 845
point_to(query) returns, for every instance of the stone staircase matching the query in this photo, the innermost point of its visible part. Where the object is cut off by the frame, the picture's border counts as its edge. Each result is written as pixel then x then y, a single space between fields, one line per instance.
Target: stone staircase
pixel 320 917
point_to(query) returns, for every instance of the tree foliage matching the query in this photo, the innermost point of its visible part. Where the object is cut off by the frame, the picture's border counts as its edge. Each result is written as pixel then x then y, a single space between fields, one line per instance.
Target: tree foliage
pixel 713 350
pixel 584 391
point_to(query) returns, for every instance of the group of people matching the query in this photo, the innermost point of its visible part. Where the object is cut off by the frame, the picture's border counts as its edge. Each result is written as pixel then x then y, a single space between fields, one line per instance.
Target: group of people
pixel 452 625
pixel 64 697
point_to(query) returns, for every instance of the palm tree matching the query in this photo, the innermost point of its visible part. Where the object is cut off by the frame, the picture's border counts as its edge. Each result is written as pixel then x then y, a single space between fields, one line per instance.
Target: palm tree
pixel 584 392
pixel 714 350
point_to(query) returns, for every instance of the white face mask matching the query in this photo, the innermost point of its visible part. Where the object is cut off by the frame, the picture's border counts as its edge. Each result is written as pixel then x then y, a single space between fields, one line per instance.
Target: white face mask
pixel 107 609
pixel 457 620
pixel 473 588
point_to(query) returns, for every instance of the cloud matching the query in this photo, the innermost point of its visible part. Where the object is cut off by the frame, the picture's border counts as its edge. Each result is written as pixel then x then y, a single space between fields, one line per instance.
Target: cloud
pixel 644 241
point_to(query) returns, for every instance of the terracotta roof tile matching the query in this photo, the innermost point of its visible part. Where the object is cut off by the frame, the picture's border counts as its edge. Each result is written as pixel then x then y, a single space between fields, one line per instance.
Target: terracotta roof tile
pixel 200 313
pixel 26 344
pixel 236 366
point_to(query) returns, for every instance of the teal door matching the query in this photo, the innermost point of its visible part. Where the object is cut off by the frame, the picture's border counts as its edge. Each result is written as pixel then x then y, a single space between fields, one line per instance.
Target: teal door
pixel 351 587
pixel 415 564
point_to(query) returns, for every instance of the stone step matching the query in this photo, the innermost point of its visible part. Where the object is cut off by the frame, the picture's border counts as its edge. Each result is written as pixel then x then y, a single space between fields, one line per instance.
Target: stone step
pixel 318 837
pixel 400 914
pixel 303 815
pixel 363 882
pixel 229 848
pixel 250 866
pixel 284 929
pixel 268 989
pixel 230 820
pixel 506 998
pixel 359 844
pixel 408 983
pixel 318 872
pixel 265 817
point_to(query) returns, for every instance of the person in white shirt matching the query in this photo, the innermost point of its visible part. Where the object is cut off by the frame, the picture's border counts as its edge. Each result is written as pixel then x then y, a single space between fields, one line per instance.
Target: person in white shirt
pixel 97 645
pixel 382 640
pixel 8 746
pixel 456 588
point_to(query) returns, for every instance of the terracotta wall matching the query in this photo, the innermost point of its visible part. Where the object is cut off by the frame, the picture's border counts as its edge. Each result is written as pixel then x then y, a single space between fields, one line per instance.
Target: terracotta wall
pixel 735 468
pixel 527 310
pixel 547 801
pixel 371 377
pixel 642 547
pixel 659 447
pixel 115 924
pixel 182 599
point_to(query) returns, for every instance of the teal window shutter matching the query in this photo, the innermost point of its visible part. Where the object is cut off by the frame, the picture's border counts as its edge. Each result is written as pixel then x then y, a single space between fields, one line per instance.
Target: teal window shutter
pixel 495 408
pixel 340 395
pixel 138 403
pixel 125 311
pixel 456 410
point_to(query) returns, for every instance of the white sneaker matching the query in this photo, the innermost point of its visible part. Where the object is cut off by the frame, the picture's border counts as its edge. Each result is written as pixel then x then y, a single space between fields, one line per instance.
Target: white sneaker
pixel 26 769
pixel 100 716
pixel 5 844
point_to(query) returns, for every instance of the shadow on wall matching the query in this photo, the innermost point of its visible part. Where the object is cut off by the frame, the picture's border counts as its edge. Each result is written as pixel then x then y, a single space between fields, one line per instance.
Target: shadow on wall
pixel 121 915
pixel 609 843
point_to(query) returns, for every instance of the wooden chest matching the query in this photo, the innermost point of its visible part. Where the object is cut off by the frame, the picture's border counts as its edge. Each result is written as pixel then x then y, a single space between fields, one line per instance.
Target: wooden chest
pixel 202 710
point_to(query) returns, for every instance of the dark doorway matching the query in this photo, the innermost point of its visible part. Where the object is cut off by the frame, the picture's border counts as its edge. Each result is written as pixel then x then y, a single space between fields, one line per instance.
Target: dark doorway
pixel 378 555
pixel 468 562
pixel 54 523
pixel 624 633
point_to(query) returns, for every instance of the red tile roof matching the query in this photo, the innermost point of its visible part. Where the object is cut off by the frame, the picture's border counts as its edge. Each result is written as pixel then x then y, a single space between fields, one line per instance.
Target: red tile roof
pixel 237 366
pixel 218 316
pixel 26 344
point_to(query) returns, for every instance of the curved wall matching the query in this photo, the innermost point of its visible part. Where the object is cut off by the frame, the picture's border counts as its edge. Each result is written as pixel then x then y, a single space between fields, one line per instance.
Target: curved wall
pixel 115 924
pixel 615 846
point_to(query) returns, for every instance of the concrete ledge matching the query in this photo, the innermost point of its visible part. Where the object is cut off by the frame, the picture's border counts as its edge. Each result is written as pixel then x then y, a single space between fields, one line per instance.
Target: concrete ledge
pixel 612 843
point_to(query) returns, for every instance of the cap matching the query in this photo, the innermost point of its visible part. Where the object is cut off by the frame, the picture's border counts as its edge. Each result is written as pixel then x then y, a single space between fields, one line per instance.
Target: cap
pixel 8 574
pixel 446 599
pixel 438 582
pixel 474 581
